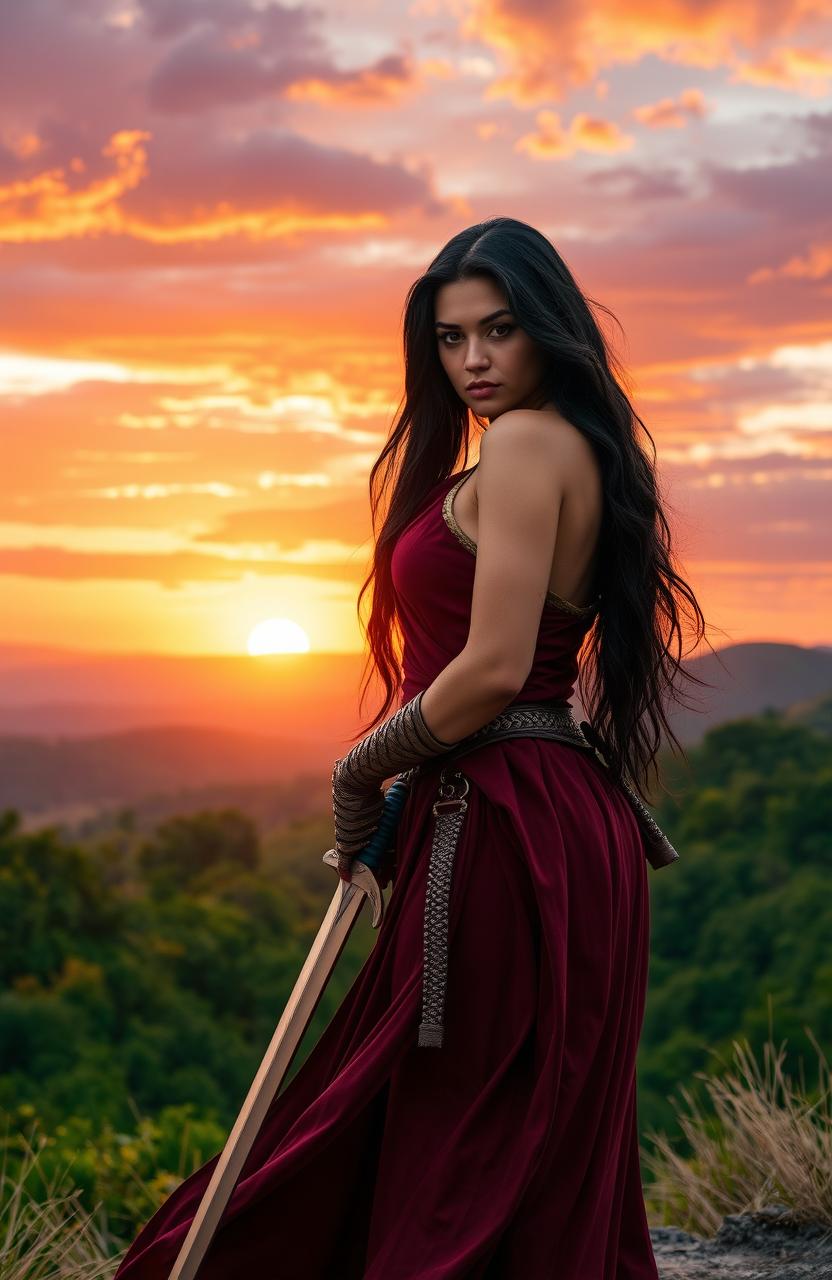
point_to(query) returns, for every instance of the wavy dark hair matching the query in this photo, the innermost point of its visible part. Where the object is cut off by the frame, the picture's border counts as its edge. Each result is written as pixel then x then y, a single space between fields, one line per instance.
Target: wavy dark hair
pixel 627 669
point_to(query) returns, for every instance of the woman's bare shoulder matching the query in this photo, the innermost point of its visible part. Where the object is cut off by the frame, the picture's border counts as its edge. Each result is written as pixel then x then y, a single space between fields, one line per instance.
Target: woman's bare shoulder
pixel 538 429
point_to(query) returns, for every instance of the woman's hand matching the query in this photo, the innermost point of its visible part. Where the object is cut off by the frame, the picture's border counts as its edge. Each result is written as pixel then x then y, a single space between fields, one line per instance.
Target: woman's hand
pixel 357 810
pixel 357 798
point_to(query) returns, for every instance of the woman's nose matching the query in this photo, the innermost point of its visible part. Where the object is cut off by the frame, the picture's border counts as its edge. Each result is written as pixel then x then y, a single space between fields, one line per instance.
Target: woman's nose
pixel 475 359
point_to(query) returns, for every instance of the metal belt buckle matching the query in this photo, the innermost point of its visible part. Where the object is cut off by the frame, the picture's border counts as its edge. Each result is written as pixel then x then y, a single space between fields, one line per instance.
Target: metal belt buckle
pixel 447 802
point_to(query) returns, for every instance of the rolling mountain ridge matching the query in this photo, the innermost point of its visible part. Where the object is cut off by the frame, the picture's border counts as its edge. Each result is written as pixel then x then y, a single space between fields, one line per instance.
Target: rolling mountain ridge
pixel 199 741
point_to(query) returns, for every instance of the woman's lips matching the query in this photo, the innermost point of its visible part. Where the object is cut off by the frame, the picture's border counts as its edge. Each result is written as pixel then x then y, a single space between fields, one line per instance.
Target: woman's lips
pixel 482 393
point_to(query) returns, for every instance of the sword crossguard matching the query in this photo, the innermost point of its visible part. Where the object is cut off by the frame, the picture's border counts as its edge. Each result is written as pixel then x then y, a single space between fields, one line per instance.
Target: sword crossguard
pixel 361 877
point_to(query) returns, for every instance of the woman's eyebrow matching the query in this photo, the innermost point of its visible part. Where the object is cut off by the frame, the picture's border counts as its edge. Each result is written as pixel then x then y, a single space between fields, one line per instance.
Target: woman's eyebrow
pixel 504 311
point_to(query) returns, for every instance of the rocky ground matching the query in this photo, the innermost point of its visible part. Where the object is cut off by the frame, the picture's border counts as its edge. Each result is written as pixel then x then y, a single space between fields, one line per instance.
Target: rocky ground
pixel 766 1245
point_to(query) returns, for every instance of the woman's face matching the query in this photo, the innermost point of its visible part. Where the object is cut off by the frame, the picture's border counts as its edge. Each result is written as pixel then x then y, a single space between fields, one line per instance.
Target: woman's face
pixel 480 341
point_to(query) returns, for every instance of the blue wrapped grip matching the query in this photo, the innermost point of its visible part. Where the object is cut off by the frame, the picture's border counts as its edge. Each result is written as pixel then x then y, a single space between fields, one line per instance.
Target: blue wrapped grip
pixel 382 839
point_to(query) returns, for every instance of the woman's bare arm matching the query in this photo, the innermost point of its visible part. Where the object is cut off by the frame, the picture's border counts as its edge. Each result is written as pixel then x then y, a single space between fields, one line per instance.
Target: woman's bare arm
pixel 520 491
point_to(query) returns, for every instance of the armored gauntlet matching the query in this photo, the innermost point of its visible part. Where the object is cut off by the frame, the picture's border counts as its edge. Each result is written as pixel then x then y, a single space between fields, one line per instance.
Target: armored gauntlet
pixel 357 799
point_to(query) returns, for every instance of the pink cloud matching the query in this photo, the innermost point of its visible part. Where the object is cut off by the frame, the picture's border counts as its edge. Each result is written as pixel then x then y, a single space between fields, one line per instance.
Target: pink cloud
pixel 271 54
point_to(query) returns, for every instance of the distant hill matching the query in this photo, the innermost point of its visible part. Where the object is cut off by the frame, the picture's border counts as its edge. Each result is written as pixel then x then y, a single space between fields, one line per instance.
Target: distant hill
pixel 209 725
pixel 749 678
pixel 48 692
pixel 72 778
pixel 308 697
pixel 270 805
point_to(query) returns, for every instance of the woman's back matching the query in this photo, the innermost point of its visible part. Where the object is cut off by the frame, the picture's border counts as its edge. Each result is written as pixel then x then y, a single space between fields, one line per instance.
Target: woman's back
pixel 433 568
pixel 579 520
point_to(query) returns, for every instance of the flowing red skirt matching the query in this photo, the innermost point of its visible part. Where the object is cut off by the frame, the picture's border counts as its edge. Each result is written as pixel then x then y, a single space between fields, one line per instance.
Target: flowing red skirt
pixel 512 1151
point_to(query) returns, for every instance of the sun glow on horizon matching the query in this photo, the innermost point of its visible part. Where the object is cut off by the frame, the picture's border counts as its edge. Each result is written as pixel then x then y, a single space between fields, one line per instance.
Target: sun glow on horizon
pixel 277 635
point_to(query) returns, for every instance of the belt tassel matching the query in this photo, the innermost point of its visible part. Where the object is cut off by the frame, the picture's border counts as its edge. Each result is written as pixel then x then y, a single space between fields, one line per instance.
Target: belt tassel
pixel 449 812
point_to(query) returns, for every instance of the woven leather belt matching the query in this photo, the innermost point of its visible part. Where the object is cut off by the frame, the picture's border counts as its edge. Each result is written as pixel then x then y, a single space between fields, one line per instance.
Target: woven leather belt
pixel 552 720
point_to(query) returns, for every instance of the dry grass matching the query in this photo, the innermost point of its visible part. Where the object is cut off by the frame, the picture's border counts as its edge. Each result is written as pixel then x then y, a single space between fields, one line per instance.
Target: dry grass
pixel 45 1234
pixel 764 1140
pixel 767 1141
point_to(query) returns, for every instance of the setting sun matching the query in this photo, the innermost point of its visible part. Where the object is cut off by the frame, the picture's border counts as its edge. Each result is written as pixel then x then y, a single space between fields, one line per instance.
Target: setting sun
pixel 277 635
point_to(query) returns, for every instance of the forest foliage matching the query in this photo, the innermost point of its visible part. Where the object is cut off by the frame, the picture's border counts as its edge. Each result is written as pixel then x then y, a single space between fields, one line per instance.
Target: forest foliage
pixel 143 974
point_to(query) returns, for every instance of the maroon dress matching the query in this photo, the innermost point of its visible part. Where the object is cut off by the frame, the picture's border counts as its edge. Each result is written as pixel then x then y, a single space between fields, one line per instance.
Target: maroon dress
pixel 512 1150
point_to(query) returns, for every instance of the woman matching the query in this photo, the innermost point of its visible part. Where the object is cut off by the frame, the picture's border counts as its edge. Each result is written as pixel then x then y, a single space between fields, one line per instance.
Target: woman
pixel 501 1141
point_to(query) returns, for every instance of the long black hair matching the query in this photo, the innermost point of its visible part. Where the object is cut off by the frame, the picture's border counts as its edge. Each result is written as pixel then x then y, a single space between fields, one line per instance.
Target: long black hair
pixel 627 669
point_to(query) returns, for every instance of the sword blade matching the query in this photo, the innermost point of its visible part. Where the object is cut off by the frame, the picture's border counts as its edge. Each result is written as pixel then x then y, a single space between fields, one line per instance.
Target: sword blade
pixel 337 924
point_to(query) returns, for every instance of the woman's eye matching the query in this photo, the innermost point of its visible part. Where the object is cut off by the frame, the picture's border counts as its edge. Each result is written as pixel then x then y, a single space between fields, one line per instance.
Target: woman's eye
pixel 445 336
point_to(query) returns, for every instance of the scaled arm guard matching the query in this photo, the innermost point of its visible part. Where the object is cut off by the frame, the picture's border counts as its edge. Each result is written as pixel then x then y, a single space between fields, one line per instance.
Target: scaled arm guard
pixel 357 799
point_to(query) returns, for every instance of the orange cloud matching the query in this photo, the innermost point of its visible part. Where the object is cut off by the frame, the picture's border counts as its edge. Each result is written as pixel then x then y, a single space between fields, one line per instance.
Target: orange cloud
pixel 805 71
pixel 346 520
pixel 673 113
pixel 282 186
pixel 169 569
pixel 23 144
pixel 814 265
pixel 387 80
pixel 548 50
pixel 47 207
pixel 585 133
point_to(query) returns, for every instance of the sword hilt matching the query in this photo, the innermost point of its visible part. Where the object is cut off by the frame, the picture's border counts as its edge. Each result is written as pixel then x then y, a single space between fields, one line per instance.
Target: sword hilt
pixel 377 848
pixel 381 841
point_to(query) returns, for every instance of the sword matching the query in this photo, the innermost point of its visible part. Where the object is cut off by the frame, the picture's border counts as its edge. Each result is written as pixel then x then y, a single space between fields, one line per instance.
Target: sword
pixel 340 917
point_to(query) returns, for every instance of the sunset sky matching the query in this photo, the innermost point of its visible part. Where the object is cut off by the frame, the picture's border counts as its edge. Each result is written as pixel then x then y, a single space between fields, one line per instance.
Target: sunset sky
pixel 211 212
